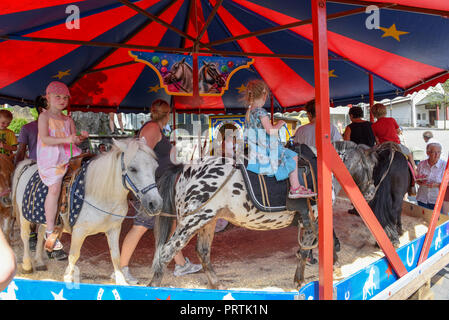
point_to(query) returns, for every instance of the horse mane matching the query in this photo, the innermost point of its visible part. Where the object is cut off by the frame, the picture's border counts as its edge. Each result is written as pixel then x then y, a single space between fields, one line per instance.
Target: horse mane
pixel 345 145
pixel 387 145
pixel 103 177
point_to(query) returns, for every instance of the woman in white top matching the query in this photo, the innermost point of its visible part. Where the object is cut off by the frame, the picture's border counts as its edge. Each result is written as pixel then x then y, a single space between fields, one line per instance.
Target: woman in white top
pixel 429 176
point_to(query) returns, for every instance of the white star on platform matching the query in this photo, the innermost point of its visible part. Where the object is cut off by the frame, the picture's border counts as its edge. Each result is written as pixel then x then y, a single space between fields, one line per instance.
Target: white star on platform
pixel 59 296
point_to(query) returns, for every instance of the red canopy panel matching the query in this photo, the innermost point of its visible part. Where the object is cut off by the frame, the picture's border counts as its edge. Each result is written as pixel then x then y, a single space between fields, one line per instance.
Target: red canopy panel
pixel 13 6
pixel 380 62
pixel 109 87
pixel 426 4
pixel 93 26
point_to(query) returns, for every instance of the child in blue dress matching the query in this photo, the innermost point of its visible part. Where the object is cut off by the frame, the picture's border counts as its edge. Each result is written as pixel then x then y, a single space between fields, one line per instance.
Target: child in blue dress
pixel 267 156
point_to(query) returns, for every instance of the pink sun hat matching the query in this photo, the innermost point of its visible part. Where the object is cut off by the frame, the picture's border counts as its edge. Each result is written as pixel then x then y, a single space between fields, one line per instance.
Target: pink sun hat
pixel 57 87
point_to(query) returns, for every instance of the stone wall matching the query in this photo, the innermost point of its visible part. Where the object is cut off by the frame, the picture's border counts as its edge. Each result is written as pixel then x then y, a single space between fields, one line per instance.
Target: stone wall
pixel 92 122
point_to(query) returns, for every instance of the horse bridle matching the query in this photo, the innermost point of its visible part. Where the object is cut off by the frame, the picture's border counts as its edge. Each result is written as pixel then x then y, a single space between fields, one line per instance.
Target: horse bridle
pixel 215 76
pixel 126 179
pixel 172 78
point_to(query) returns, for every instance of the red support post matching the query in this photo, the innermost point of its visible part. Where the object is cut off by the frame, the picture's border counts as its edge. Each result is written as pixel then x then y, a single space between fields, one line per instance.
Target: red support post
pixel 323 143
pixel 371 98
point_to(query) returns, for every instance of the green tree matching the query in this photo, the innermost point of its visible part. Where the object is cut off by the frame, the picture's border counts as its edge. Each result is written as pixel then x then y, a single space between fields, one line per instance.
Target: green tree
pixel 34 113
pixel 17 124
pixel 440 98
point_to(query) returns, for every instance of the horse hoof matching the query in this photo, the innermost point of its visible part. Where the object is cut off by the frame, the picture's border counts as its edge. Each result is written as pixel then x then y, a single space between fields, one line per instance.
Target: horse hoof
pixel 298 283
pixel 41 268
pixel 217 287
pixel 337 271
pixel 337 246
pixel 26 271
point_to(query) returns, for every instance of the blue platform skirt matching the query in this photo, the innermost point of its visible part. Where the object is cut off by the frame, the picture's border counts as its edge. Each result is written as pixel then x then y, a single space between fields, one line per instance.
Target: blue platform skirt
pixel 276 162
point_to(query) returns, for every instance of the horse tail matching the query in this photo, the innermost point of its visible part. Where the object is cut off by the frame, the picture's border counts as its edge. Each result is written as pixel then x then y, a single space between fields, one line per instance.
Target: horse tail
pixel 382 203
pixel 20 169
pixel 162 227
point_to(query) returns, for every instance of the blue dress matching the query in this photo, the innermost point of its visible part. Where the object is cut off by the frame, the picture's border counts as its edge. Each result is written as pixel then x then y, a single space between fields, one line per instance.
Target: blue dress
pixel 267 155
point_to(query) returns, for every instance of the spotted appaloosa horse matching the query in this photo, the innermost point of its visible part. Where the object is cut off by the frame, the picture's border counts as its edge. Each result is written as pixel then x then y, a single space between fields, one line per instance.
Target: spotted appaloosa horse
pixel 211 189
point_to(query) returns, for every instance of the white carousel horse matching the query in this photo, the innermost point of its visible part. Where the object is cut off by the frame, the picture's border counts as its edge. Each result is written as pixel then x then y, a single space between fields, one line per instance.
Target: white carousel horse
pixel 129 166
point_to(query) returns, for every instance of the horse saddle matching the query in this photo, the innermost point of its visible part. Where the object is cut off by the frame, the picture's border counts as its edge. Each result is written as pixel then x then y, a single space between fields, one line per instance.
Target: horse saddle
pixel 270 195
pixel 70 200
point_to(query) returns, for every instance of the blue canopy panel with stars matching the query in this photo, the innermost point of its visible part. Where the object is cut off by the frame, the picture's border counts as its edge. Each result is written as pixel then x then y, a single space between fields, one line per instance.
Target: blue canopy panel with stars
pixel 87 45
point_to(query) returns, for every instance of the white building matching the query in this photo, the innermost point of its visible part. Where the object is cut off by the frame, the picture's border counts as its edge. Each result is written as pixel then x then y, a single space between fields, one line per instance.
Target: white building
pixel 417 110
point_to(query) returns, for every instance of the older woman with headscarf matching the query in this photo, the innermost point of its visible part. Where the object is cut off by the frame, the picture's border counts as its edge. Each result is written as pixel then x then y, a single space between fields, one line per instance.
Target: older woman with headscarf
pixel 429 176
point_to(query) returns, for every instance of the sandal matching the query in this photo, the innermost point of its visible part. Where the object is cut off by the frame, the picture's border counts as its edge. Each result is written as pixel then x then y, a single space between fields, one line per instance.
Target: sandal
pixel 58 255
pixel 54 247
pixel 300 192
pixel 52 242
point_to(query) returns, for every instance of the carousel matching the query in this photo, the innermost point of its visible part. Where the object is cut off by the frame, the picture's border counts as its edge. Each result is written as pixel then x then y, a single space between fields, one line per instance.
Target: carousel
pixel 198 55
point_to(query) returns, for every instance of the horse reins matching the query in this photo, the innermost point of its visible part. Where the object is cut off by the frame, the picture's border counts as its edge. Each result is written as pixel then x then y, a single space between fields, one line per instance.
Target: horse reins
pixel 385 173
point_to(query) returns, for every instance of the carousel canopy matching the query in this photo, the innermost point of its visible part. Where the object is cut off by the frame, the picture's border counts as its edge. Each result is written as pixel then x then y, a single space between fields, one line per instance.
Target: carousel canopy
pixel 92 46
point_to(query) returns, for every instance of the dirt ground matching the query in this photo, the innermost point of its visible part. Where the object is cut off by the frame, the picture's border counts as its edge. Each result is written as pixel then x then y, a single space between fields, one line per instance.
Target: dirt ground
pixel 243 259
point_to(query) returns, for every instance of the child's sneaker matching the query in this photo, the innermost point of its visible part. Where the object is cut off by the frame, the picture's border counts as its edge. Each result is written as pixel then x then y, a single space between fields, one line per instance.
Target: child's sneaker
pixel 33 241
pixel 300 192
pixel 187 268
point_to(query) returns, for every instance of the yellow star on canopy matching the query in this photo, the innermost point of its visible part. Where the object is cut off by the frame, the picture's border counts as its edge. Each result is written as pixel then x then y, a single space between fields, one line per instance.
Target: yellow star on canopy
pixel 241 88
pixel 392 32
pixel 154 88
pixel 331 74
pixel 62 74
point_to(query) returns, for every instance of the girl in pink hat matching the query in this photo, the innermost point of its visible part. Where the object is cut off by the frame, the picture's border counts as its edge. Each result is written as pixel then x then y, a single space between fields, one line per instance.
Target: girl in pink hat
pixel 56 144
